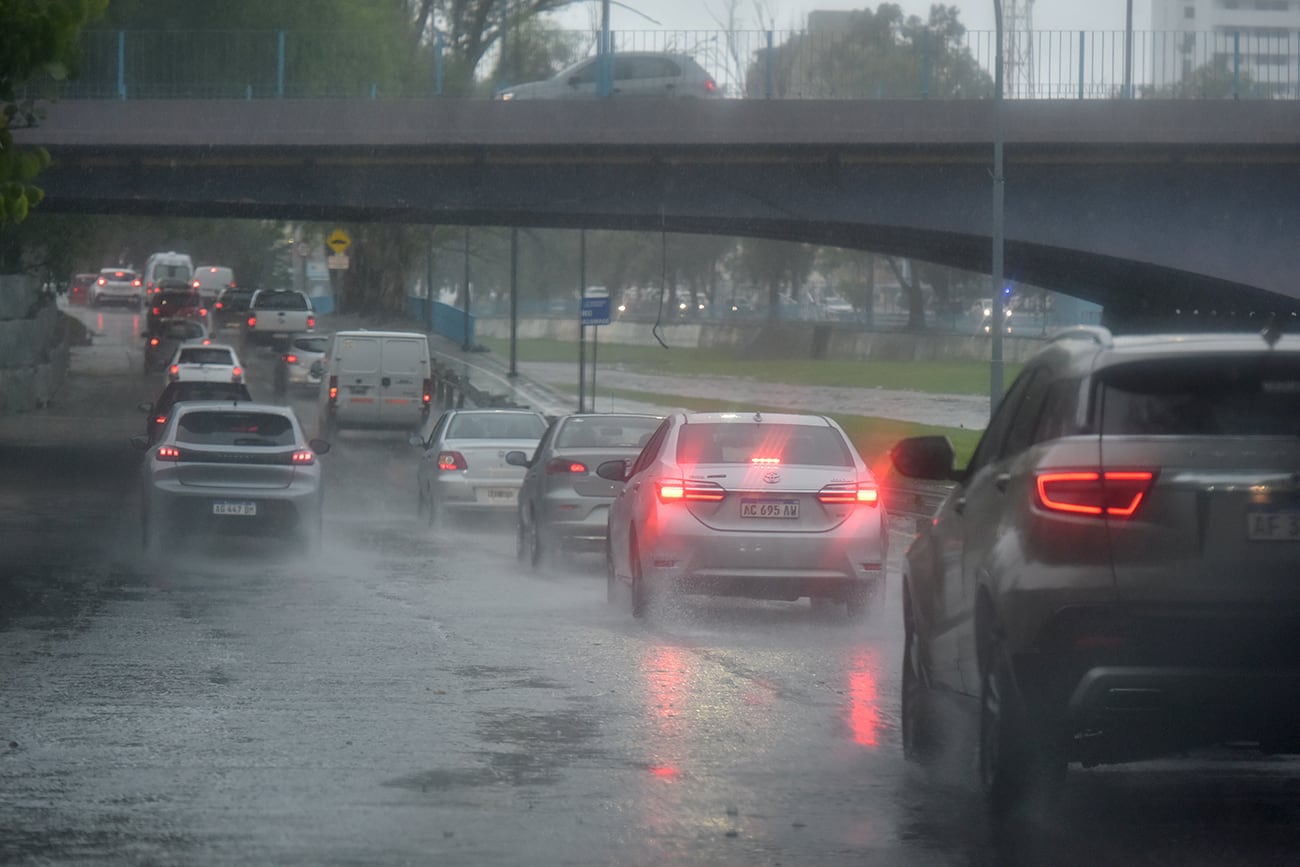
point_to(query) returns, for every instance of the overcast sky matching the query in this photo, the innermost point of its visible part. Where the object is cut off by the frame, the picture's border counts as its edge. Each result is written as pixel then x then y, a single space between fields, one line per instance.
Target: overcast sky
pixel 790 14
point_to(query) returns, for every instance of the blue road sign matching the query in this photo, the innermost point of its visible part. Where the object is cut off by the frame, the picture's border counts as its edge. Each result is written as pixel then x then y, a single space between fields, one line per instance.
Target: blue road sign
pixel 595 310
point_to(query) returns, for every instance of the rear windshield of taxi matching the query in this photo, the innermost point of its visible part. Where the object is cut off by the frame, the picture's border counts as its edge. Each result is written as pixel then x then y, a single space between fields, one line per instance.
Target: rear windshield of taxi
pixel 1255 395
pixel 761 443
pixel 235 429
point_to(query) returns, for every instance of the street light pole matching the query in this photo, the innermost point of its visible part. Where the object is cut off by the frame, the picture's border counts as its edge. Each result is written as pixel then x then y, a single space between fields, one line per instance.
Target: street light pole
pixel 999 205
pixel 465 344
pixel 1128 50
pixel 514 302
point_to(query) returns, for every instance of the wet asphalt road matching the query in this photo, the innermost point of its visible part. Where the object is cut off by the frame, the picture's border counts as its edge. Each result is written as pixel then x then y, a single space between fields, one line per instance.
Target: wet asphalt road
pixel 415 697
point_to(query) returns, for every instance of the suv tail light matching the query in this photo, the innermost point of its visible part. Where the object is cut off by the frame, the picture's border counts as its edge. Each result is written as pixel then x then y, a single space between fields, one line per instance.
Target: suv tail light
pixel 427 392
pixel 174 371
pixel 311 321
pixel 220 305
pixel 169 453
pixel 1114 493
pixel 304 457
pixel 252 322
pixel 102 282
pixel 153 341
pixel 135 282
pixel 334 390
pixel 563 465
pixel 862 493
pixel 710 85
pixel 236 374
pixel 157 311
pixel 452 461
pixel 290 358
pixel 671 490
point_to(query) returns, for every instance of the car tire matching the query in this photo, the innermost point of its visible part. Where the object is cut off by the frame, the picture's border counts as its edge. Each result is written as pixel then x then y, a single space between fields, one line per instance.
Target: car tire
pixel 536 548
pixel 920 741
pixel 640 592
pixel 521 538
pixel 1016 762
pixel 432 518
pixel 611 577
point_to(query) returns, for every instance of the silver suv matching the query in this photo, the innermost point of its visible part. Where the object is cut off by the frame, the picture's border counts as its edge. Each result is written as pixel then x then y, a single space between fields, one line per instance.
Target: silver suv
pixel 1116 574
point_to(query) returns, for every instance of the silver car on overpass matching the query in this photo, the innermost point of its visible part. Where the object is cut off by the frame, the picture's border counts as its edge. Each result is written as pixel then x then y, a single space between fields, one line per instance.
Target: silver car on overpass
pixel 563 504
pixel 771 506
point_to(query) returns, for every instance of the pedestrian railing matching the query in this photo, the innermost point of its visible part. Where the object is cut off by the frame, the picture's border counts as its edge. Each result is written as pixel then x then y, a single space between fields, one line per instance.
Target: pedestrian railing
pixel 839 63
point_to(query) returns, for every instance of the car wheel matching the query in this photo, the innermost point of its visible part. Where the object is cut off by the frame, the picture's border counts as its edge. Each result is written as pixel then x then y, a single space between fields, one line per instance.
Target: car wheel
pixel 919 739
pixel 521 538
pixel 536 550
pixel 431 516
pixel 611 578
pixel 1015 760
pixel 640 592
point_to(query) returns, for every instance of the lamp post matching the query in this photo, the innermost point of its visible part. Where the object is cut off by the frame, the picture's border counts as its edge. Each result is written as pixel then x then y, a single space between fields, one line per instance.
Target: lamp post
pixel 1128 50
pixel 995 325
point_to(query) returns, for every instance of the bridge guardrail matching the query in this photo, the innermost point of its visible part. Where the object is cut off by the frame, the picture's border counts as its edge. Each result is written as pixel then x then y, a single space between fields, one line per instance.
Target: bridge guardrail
pixel 834 58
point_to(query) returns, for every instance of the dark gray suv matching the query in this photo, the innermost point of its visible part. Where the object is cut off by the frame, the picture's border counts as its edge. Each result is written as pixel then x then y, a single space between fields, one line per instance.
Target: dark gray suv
pixel 1116 574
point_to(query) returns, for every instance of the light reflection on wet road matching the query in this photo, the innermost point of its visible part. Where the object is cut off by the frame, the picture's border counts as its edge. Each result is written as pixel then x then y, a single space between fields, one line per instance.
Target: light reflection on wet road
pixel 412 697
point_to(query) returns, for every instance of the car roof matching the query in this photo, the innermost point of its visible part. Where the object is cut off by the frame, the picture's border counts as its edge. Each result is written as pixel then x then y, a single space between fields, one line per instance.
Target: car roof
pixel 241 405
pixel 496 411
pixel 807 419
pixel 361 332
pixel 1096 347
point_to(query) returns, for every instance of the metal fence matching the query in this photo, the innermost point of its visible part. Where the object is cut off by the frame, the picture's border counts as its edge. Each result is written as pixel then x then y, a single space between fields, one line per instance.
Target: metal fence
pixel 776 64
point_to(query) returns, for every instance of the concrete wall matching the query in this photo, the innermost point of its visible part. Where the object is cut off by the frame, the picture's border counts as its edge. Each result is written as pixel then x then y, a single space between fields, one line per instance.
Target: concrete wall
pixel 33 349
pixel 782 340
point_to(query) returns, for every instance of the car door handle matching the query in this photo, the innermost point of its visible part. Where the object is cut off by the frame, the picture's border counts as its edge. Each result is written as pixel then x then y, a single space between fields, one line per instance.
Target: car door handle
pixel 1002 480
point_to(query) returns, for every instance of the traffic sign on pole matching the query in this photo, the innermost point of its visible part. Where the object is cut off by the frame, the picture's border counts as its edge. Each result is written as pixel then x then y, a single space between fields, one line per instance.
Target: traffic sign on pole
pixel 338 241
pixel 595 310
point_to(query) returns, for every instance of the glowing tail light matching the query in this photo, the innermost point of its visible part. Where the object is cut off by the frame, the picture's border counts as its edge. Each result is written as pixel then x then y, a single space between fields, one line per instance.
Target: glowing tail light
pixel 671 490
pixel 135 282
pixel 162 419
pixel 102 282
pixel 236 374
pixel 195 284
pixel 157 311
pixel 427 395
pixel 303 458
pixel 174 371
pixel 1114 493
pixel 334 390
pixel 862 493
pixel 710 85
pixel 220 305
pixel 311 321
pixel 765 461
pixel 563 465
pixel 203 311
pixel 169 453
pixel 153 341
pixel 290 359
pixel 252 322
pixel 452 461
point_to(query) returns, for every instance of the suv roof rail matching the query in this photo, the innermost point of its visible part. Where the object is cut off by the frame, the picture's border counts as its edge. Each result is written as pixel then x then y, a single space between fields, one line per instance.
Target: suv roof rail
pixel 1098 334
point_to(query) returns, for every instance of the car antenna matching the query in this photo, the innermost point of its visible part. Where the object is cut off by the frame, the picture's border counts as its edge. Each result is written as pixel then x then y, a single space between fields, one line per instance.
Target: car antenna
pixel 1272 332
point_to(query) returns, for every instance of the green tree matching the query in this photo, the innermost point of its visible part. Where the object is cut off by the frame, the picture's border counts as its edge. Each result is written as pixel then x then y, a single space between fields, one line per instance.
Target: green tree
pixel 1213 80
pixel 38 47
pixel 775 266
pixel 876 54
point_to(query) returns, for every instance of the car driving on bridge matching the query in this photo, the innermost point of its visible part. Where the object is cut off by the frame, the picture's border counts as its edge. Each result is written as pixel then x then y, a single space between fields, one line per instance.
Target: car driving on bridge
pixel 642 74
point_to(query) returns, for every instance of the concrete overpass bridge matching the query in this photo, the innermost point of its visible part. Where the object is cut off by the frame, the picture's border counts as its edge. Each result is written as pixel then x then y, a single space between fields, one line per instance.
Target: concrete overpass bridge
pixel 1146 207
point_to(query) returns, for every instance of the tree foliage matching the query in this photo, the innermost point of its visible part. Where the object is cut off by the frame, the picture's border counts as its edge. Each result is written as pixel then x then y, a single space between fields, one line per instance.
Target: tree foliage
pixel 1213 80
pixel 38 47
pixel 877 54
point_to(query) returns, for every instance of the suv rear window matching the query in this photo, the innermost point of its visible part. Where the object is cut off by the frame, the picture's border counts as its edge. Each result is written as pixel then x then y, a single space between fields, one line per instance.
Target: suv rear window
pixel 1220 396
pixel 743 442
pixel 282 301
pixel 235 429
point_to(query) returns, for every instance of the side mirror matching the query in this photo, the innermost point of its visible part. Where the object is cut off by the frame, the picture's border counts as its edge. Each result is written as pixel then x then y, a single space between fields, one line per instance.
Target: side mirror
pixel 925 458
pixel 140 442
pixel 144 406
pixel 416 440
pixel 518 459
pixel 615 471
pixel 320 447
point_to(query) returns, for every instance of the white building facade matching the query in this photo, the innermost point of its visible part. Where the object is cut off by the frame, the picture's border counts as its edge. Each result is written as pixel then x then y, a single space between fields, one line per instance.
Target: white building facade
pixel 1209 44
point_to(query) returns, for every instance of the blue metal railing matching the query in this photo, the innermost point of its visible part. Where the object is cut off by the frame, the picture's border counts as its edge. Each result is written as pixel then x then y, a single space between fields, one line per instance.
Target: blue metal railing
pixel 767 64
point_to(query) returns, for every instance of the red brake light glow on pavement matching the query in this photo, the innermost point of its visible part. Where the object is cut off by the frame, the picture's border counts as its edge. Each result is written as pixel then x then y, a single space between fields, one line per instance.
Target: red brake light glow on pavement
pixel 1116 493
pixel 452 461
pixel 168 453
pixel 304 457
pixel 564 465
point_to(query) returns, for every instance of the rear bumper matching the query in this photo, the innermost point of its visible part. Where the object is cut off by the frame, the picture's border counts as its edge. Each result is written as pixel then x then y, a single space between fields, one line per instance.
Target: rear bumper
pixel 476 495
pixel 280 511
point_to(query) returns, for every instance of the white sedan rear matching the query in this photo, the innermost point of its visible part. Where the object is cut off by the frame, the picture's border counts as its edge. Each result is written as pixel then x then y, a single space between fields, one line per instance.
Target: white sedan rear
pixel 203 361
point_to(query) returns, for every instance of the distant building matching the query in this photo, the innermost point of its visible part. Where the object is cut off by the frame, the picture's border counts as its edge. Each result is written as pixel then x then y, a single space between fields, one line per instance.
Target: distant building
pixel 1191 34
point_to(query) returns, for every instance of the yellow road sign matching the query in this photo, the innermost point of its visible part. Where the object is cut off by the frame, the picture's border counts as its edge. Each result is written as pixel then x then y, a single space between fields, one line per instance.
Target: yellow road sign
pixel 339 240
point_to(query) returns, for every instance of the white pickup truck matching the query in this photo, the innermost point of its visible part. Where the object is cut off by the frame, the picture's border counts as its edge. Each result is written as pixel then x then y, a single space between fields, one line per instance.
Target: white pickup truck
pixel 274 314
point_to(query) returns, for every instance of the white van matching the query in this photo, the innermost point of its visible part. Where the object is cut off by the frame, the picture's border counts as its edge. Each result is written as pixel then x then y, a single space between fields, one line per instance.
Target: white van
pixel 375 379
pixel 167 266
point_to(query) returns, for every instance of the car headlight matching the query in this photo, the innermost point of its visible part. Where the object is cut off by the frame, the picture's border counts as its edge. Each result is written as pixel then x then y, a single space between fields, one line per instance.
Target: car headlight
pixel 507 96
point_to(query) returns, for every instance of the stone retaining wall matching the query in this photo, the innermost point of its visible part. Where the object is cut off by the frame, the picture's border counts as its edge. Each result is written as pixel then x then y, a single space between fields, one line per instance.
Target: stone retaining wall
pixel 33 348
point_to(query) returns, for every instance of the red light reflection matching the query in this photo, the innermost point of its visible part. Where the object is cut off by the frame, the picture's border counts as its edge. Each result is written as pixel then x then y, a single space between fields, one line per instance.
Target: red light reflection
pixel 864 699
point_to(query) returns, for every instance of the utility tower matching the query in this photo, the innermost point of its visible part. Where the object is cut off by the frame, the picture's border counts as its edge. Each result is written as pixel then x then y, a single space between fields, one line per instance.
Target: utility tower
pixel 1019 50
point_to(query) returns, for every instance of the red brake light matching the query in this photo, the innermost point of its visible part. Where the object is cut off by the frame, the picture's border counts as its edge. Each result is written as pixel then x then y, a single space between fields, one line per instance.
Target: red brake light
pixel 157 311
pixel 153 341
pixel 304 457
pixel 452 461
pixel 174 371
pixel 162 419
pixel 1116 493
pixel 334 389
pixel 428 392
pixel 203 311
pixel 765 461
pixel 220 305
pixel 311 321
pixel 862 493
pixel 212 270
pixel 168 453
pixel 291 359
pixel 702 492
pixel 252 322
pixel 236 374
pixel 710 85
pixel 196 284
pixel 135 282
pixel 563 465
pixel 101 281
